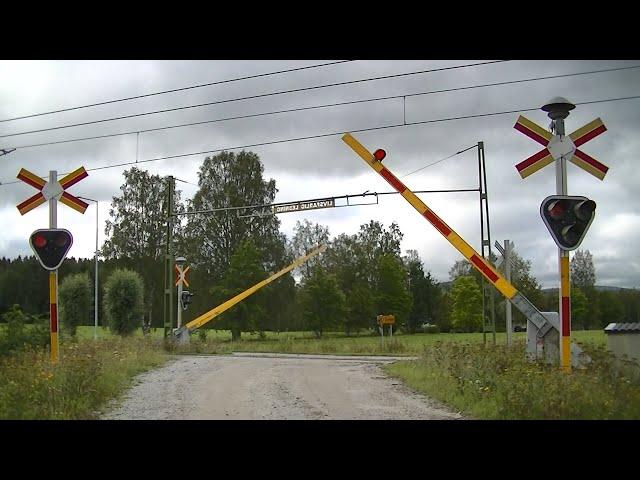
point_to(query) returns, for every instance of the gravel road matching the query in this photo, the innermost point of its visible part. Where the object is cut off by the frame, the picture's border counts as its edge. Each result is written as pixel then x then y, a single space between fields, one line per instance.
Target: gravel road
pixel 273 386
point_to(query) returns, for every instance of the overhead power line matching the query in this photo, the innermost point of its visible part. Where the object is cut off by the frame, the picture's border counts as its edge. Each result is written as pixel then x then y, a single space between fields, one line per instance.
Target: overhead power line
pixel 438 161
pixel 191 87
pixel 341 132
pixel 251 97
pixel 328 105
pixel 184 181
pixel 334 197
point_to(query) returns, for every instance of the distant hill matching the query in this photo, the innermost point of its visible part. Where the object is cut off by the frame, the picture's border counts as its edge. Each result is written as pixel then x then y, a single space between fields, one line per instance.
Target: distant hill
pixel 599 288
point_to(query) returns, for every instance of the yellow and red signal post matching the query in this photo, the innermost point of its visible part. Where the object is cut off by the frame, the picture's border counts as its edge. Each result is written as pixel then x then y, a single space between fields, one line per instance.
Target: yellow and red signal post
pixel 559 148
pixel 52 191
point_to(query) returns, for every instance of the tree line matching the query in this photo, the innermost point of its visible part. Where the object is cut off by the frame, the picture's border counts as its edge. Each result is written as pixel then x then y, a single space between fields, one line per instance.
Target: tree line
pixel 358 277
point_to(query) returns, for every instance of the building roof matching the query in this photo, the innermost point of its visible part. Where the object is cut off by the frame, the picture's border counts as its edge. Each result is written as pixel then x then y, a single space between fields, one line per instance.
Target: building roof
pixel 623 328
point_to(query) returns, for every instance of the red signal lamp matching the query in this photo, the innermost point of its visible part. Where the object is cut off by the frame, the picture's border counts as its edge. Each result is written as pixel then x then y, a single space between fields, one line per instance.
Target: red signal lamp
pixel 39 241
pixel 379 154
pixel 557 209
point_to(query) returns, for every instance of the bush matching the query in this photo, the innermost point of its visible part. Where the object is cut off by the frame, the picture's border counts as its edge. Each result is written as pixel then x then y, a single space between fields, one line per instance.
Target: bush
pixel 16 336
pixel 123 301
pixel 202 335
pixel 75 301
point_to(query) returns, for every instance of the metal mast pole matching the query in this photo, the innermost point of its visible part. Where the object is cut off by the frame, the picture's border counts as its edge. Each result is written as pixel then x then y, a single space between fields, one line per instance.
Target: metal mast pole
pixel 488 317
pixel 492 297
pixel 53 277
pixel 95 313
pixel 507 274
pixel 564 295
pixel 179 302
pixel 482 284
pixel 558 109
pixel 168 291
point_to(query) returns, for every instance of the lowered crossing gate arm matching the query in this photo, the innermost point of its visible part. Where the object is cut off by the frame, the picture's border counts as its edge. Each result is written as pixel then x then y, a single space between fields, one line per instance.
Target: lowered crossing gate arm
pixel 183 332
pixel 485 268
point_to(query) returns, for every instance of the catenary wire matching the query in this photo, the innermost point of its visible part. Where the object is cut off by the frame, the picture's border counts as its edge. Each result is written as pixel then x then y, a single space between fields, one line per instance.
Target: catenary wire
pixel 328 105
pixel 184 181
pixel 250 97
pixel 191 87
pixel 309 137
pixel 335 197
pixel 438 161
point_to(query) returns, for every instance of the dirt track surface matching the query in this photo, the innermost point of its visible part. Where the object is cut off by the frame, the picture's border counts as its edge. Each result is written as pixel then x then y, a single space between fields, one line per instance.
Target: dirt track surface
pixel 274 386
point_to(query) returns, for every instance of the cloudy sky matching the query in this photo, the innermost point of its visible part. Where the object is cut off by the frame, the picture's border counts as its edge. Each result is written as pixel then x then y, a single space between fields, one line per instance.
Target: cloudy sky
pixel 325 167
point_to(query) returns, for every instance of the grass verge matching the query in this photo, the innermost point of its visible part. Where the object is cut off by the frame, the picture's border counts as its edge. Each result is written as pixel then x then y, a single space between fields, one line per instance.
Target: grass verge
pixel 339 344
pixel 87 376
pixel 496 382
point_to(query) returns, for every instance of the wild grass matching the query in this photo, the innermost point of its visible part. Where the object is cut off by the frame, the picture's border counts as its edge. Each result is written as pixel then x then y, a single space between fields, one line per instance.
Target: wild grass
pixel 339 344
pixel 484 381
pixel 87 375
pixel 496 382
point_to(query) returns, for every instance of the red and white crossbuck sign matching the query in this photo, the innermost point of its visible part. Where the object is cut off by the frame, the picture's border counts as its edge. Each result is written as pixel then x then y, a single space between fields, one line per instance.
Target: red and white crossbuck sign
pixel 557 147
pixel 49 190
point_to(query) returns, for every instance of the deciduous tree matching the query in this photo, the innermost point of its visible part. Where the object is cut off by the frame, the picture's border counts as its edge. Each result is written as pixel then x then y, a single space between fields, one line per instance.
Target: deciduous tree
pixel 307 235
pixel 460 268
pixel 579 309
pixel 323 304
pixel 136 231
pixel 583 273
pixel 424 292
pixel 391 294
pixel 523 279
pixel 245 270
pixel 466 297
pixel 229 180
pixel 583 276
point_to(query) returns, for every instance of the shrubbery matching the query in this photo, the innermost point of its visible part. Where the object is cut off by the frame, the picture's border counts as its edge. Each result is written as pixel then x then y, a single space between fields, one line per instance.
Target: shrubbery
pixel 123 301
pixel 75 301
pixel 496 382
pixel 17 335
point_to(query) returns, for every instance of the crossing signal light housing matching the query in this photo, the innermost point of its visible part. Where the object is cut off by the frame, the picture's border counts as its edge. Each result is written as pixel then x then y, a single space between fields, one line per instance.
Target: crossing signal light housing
pixel 51 246
pixel 567 218
pixel 186 299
